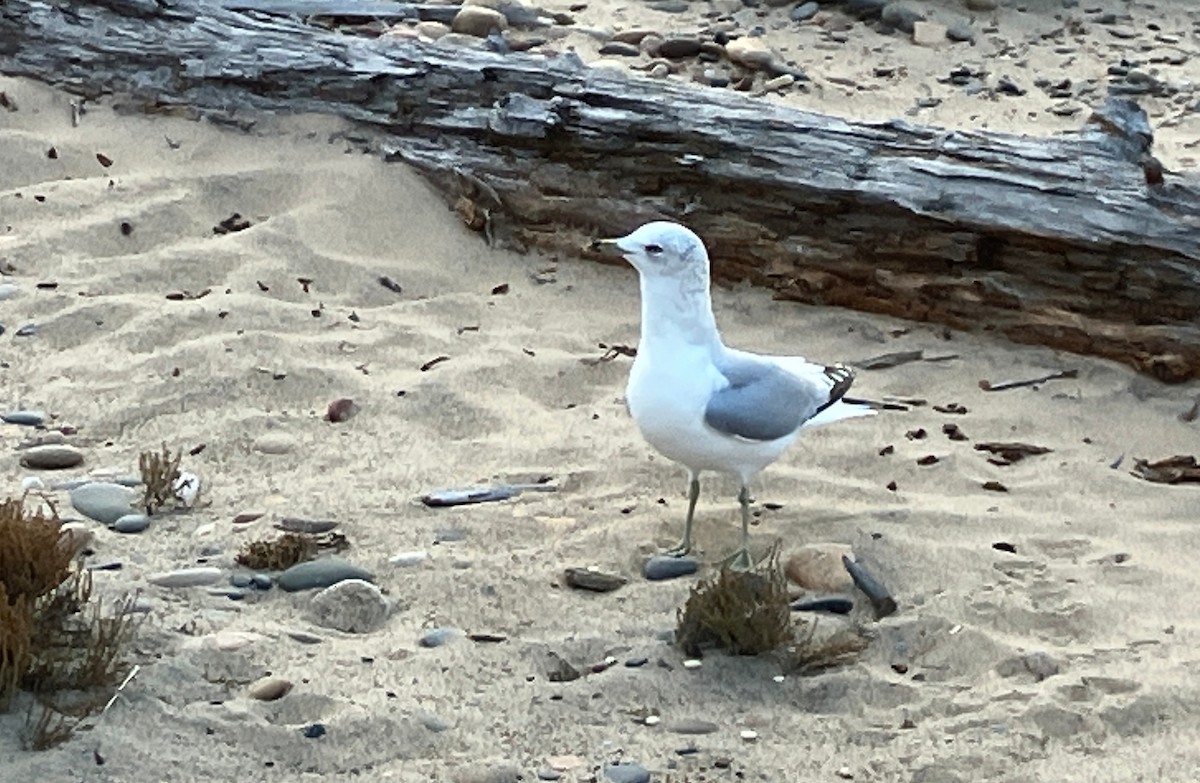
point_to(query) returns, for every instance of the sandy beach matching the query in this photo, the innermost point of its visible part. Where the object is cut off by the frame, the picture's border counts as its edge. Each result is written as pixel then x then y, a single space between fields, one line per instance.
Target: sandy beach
pixel 1044 632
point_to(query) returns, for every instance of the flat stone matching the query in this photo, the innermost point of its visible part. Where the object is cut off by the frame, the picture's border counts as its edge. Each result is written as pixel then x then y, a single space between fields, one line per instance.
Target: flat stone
pixel 662 567
pixel 319 573
pixel 261 582
pixel 618 49
pixel 691 727
pixel 819 567
pixel 750 53
pixel 929 33
pixel 489 773
pixel 678 47
pixel 409 559
pixel 269 688
pixel 627 772
pixel 186 577
pixel 9 291
pixel 437 637
pixel 275 443
pixel 982 5
pixel 432 30
pixel 593 580
pixel 132 523
pixel 804 12
pixel 51 457
pixel 24 418
pixel 960 32
pixel 352 606
pixel 478 21
pixel 103 501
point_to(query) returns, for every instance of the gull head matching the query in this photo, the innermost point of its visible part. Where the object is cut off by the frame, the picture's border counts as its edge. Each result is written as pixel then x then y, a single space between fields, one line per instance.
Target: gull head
pixel 662 248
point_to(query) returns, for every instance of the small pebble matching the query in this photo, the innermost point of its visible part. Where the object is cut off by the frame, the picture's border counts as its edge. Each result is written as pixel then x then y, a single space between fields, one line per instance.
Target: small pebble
pixel 32 484
pixel 304 637
pixel 662 567
pixel 132 523
pixel 693 727
pixel 314 730
pixel 627 772
pixel 269 688
pixel 409 559
pixel 692 663
pixel 261 582
pixel 651 720
pixel 478 21
pixel 635 663
pixel 804 12
pixel 438 637
pixel 186 577
pixel 749 735
pixel 240 580
pixel 593 580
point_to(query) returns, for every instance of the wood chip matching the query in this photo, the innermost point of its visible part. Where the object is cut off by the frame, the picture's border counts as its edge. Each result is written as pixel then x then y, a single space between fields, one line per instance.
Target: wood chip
pixel 1003 385
pixel 1008 453
pixel 1172 470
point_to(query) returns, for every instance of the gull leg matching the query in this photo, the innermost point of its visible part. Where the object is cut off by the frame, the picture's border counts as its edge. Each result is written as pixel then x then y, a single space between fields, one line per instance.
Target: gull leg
pixel 741 560
pixel 685 546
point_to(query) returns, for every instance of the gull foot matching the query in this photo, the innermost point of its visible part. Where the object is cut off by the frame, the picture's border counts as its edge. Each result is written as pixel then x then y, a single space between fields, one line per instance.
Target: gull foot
pixel 739 561
pixel 682 549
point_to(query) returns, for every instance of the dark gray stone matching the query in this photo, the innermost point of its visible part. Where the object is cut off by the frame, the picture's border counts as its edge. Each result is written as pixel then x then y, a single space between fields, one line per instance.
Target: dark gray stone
pixel 662 567
pixel 132 523
pixel 51 456
pixel 438 637
pixel 901 16
pixel 804 12
pixel 320 573
pixel 24 418
pixel 627 772
pixel 618 49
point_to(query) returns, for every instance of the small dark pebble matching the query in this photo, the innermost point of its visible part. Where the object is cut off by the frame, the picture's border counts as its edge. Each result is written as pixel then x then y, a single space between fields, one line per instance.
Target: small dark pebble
pixel 314 730
pixel 635 663
pixel 126 228
pixel 661 567
pixel 882 600
pixel 928 459
pixel 28 330
pixel 593 580
pixel 111 565
pixel 24 418
pixel 994 486
pixel 1004 546
pixel 261 582
pixel 314 527
pixel 390 284
pixel 833 605
pixel 619 49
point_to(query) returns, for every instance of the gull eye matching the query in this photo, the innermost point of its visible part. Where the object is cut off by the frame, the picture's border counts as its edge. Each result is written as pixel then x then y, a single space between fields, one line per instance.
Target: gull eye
pixel 653 249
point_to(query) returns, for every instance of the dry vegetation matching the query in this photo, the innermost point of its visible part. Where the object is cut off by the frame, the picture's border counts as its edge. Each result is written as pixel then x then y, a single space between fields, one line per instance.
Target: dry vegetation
pixel 56 642
pixel 159 471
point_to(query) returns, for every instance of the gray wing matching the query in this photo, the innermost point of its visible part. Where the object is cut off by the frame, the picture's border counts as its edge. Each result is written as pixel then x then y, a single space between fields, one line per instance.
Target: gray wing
pixel 765 402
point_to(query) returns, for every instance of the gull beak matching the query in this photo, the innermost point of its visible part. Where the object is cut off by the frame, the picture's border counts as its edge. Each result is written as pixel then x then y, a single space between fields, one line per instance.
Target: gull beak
pixel 609 247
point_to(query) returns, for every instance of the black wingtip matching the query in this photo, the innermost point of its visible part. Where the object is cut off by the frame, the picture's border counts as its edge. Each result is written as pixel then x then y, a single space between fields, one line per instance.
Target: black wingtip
pixel 843 378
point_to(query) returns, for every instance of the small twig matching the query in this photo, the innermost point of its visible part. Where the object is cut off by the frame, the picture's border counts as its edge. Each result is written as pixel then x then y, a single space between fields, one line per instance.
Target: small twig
pixel 128 679
pixel 1004 385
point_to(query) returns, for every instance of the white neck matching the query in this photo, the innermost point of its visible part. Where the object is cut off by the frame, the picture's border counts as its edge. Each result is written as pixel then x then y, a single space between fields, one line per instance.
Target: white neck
pixel 677 312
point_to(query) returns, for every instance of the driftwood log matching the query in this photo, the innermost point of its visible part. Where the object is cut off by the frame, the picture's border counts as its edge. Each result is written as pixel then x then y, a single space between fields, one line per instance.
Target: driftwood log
pixel 1074 242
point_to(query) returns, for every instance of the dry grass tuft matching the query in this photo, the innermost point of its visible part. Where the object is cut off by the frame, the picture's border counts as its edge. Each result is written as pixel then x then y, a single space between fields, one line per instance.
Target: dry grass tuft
pixel 279 553
pixel 159 471
pixel 744 612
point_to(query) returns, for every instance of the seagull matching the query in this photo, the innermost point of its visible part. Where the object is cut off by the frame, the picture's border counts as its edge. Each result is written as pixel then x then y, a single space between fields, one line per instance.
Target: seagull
pixel 703 404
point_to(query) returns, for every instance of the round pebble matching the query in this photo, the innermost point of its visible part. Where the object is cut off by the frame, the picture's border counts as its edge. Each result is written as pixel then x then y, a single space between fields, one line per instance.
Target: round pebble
pixel 132 523
pixel 51 457
pixel 749 735
pixel 409 559
pixel 692 663
pixel 240 580
pixel 627 772
pixel 24 418
pixel 261 582
pixel 269 688
pixel 438 637
pixel 662 567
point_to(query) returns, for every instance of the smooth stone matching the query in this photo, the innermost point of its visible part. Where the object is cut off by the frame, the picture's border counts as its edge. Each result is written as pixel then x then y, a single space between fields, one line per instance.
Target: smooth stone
pixel 318 573
pixel 352 606
pixel 478 21
pixel 241 580
pixel 9 291
pixel 232 593
pixel 314 731
pixel 434 723
pixel 618 49
pixel 103 501
pixel 549 774
pixel 864 9
pixel 488 773
pixel 304 637
pixel 960 32
pixel 831 604
pixel 275 443
pixel 438 637
pixel 676 48
pixel 32 484
pixel 51 457
pixel 983 5
pixel 269 688
pixel 901 16
pixel 186 577
pixel 627 772
pixel 409 559
pixel 636 663
pixel 691 727
pixel 929 33
pixel 804 12
pixel 24 418
pixel 819 567
pixel 132 523
pixel 750 53
pixel 662 567
pixel 593 580
pixel 432 30
pixel 261 582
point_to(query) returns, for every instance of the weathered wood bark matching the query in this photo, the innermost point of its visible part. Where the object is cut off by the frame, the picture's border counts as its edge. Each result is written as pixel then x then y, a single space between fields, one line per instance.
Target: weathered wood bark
pixel 1059 241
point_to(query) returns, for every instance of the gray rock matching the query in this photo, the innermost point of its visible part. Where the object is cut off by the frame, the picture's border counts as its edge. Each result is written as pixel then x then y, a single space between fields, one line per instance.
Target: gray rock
pixel 983 5
pixel 549 774
pixel 804 12
pixel 618 49
pixel 261 582
pixel 691 726
pixel 240 580
pixel 352 606
pixel 901 16
pixel 662 567
pixel 478 21
pixel 433 722
pixel 24 418
pixel 489 773
pixel 960 31
pixel 627 772
pixel 103 501
pixel 51 457
pixel 438 637
pixel 9 291
pixel 186 577
pixel 132 523
pixel 865 9
pixel 678 47
pixel 319 573
pixel 409 559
